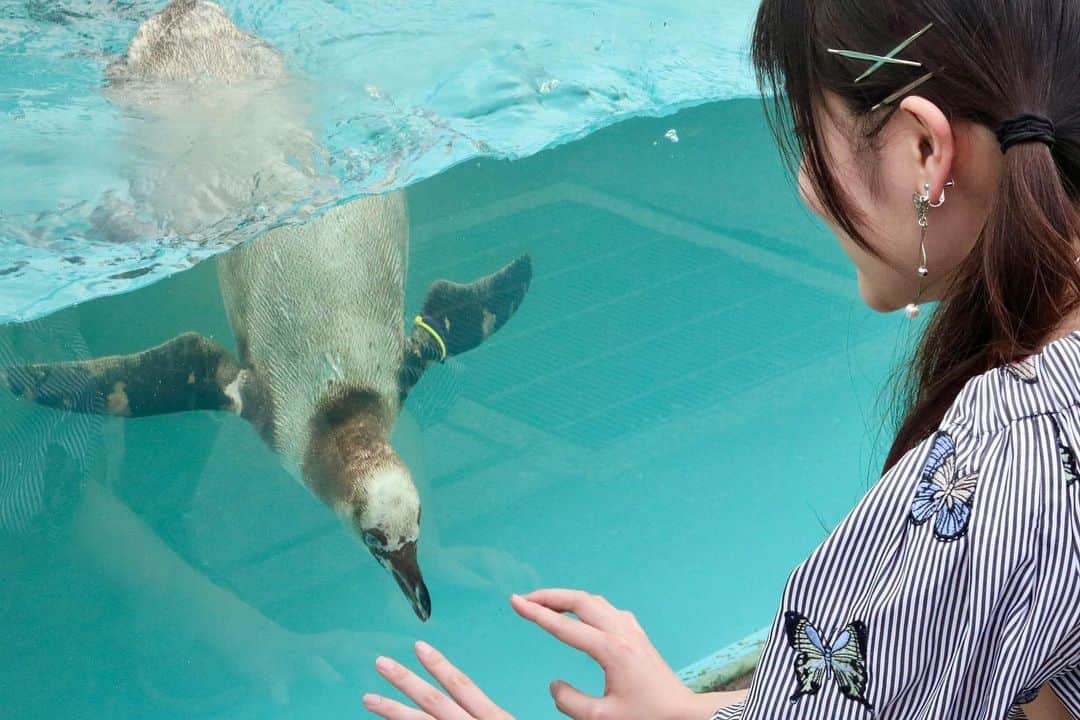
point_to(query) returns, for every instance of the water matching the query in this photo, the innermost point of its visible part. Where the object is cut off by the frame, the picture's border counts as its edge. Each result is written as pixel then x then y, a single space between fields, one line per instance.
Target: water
pixel 684 404
pixel 393 91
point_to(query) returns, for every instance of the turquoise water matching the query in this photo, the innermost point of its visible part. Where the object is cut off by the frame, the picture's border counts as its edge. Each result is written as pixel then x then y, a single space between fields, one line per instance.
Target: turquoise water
pixel 687 400
pixel 394 91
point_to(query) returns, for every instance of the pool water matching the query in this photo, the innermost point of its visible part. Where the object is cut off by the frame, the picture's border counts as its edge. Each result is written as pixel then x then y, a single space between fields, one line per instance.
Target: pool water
pixel 99 184
pixel 687 401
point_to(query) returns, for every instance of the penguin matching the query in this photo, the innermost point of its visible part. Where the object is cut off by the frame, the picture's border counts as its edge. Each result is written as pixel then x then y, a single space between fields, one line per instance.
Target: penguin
pixel 323 363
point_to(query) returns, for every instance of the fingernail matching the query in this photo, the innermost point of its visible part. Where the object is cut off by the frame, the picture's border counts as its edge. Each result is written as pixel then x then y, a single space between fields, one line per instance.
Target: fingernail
pixel 384 663
pixel 372 700
pixel 422 648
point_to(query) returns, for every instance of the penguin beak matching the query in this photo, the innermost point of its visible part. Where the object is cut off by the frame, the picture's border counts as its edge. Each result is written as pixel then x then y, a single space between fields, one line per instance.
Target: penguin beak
pixel 402 563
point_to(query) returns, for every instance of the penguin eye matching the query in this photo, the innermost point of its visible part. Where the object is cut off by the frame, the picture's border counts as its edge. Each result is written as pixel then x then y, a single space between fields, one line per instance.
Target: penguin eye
pixel 374 539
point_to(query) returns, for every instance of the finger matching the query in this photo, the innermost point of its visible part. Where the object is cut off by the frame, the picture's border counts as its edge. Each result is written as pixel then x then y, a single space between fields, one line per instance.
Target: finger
pixel 392 709
pixel 573 632
pixel 592 609
pixel 421 692
pixel 572 702
pixel 457 683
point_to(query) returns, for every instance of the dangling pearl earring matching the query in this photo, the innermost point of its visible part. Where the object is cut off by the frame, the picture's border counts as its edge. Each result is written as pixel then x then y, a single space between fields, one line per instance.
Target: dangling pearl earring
pixel 922 212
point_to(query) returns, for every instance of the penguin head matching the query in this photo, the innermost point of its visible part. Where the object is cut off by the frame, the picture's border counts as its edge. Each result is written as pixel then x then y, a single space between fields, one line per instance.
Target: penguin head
pixel 351 465
pixel 386 515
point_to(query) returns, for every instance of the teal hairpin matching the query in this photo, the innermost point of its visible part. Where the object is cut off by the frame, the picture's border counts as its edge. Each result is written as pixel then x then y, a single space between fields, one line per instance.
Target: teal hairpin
pixel 879 61
pixel 902 92
pixel 889 58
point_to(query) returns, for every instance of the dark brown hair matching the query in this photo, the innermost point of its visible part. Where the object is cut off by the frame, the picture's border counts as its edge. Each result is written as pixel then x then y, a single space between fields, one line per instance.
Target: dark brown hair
pixel 992 60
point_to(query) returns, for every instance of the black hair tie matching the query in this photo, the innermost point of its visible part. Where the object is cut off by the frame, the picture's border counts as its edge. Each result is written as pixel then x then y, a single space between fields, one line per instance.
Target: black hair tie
pixel 1025 128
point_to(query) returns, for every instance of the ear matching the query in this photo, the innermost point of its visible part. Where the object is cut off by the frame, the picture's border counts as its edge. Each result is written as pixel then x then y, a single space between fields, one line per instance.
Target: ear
pixel 936 148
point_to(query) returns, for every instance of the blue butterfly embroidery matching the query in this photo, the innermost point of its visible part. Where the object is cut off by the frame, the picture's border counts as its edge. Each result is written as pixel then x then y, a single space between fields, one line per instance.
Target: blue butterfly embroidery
pixel 1065 454
pixel 944 492
pixel 816 659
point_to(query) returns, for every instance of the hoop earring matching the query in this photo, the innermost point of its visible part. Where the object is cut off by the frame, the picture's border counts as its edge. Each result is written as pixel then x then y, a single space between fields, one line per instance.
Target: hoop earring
pixel 941 200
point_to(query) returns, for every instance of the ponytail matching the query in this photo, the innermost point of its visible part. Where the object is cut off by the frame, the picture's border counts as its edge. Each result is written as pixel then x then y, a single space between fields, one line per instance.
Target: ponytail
pixel 1008 295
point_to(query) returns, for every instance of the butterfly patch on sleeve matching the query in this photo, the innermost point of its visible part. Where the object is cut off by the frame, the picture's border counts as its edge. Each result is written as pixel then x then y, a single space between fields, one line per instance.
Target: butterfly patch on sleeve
pixel 816 659
pixel 944 492
pixel 1023 370
pixel 1065 454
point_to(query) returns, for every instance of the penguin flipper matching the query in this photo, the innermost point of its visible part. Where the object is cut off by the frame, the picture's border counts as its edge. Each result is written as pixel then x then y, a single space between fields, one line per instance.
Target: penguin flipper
pixel 188 372
pixel 456 318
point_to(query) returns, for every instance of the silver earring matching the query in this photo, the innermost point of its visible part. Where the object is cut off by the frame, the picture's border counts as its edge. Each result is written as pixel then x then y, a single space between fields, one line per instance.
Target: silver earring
pixel 922 217
pixel 941 200
pixel 922 211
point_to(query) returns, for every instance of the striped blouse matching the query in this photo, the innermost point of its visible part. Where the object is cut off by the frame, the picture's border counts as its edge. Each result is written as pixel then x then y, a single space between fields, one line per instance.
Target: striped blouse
pixel 952 590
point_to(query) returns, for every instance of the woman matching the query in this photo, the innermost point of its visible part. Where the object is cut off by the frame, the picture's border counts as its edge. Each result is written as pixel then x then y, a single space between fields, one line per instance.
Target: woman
pixel 940 139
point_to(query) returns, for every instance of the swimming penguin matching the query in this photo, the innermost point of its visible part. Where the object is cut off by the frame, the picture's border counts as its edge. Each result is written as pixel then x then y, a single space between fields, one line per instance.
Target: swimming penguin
pixel 323 363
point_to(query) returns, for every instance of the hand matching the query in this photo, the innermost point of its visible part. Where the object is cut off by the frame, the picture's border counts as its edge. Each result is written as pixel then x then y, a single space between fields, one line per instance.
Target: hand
pixel 638 684
pixel 465 702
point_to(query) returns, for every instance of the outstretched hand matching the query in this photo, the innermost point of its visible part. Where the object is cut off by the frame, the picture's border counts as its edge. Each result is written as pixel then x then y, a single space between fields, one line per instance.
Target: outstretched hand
pixel 639 685
pixel 463 700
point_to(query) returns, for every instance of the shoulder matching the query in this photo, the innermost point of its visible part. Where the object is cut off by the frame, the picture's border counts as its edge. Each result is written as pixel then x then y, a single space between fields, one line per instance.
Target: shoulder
pixel 1002 463
pixel 1015 420
pixel 1015 427
pixel 1006 452
pixel 1046 383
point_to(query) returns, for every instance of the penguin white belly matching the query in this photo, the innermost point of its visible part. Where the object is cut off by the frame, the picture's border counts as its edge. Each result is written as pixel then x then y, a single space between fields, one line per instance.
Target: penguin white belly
pixel 318 308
